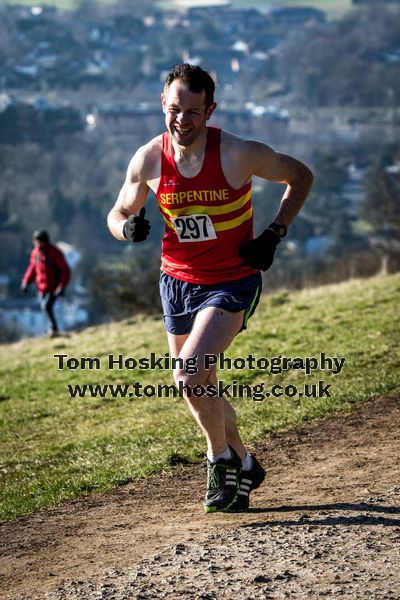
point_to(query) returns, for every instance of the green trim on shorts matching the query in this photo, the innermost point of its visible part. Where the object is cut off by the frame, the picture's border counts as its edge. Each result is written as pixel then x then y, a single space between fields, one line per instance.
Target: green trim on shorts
pixel 247 314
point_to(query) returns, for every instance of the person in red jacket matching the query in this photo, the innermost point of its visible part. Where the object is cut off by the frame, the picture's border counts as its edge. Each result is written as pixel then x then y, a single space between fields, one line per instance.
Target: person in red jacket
pixel 51 273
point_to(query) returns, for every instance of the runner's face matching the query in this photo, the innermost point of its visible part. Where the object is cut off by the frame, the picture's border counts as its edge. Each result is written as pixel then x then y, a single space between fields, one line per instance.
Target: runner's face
pixel 185 112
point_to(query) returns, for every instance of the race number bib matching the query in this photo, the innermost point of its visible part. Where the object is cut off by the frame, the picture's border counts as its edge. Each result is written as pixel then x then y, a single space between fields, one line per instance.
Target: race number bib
pixel 194 228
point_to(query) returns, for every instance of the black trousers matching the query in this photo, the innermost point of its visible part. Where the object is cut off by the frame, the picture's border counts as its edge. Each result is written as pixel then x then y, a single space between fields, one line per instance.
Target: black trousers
pixel 47 301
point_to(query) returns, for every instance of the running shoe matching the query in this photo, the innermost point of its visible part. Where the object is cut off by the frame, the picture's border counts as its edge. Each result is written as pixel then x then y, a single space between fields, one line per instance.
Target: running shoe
pixel 248 481
pixel 222 482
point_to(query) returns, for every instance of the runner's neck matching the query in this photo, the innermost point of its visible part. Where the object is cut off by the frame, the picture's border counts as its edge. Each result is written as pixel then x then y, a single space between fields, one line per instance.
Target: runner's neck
pixel 191 156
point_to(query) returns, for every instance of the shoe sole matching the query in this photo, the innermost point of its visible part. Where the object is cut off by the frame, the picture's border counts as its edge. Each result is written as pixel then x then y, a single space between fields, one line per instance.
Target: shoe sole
pixel 235 510
pixel 212 509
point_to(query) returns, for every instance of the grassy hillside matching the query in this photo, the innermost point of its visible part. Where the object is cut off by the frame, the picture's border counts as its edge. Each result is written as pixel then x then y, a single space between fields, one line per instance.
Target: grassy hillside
pixel 54 447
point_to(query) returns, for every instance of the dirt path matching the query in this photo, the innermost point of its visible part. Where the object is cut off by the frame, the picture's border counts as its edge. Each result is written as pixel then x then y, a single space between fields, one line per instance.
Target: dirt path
pixel 325 523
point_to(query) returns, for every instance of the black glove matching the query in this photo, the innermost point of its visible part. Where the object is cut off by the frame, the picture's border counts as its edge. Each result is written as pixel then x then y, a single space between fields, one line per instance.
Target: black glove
pixel 136 228
pixel 259 253
pixel 58 292
pixel 24 288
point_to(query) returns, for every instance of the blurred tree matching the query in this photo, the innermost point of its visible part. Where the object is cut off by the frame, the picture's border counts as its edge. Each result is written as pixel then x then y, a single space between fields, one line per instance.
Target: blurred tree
pixel 353 61
pixel 62 209
pixel 126 69
pixel 128 284
pixel 326 202
pixel 381 206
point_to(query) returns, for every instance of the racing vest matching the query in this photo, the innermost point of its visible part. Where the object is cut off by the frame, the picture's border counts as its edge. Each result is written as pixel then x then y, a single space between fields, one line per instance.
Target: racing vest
pixel 206 220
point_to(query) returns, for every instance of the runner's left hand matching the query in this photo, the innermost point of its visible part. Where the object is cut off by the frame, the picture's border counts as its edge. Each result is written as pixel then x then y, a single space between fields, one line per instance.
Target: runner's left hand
pixel 259 253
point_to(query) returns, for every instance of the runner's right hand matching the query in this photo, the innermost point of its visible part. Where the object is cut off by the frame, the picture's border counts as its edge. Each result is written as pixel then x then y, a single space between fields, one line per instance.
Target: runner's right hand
pixel 136 228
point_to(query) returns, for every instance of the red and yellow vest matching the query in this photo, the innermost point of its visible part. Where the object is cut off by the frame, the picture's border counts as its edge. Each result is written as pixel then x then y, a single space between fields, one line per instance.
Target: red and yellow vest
pixel 206 220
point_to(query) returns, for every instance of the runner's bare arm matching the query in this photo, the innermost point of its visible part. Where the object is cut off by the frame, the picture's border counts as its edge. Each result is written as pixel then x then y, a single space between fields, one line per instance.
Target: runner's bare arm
pixel 133 193
pixel 281 168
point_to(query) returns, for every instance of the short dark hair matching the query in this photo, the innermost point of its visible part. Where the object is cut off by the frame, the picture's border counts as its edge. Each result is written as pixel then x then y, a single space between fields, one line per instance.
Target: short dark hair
pixel 41 235
pixel 195 78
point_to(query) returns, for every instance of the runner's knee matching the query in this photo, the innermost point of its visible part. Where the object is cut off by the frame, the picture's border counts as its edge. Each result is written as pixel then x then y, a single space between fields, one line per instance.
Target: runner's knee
pixel 190 380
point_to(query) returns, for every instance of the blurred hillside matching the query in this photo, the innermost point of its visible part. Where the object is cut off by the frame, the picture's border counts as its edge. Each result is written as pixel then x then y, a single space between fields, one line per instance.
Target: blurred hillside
pixel 79 92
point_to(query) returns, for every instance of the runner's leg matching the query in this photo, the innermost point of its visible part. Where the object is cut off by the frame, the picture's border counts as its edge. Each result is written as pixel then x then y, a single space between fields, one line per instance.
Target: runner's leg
pixel 231 431
pixel 232 435
pixel 213 331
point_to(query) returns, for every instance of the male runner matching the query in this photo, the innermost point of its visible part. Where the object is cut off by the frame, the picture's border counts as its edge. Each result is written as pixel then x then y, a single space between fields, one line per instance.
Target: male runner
pixel 210 281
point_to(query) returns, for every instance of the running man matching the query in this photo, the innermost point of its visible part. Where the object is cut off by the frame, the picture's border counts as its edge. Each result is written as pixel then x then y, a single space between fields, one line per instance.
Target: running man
pixel 210 264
